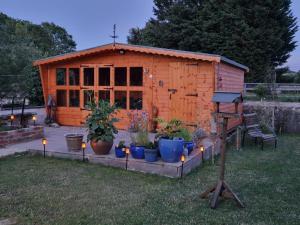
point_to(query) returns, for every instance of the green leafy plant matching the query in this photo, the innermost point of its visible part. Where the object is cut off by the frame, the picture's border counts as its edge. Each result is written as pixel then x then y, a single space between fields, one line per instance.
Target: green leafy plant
pixel 185 134
pixel 121 144
pixel 150 145
pixel 261 91
pixel 141 138
pixel 100 122
pixel 171 129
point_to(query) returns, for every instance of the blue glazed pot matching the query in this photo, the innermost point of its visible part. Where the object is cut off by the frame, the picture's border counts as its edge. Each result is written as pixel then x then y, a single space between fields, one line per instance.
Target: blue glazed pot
pixel 119 152
pixel 189 145
pixel 170 150
pixel 151 155
pixel 137 152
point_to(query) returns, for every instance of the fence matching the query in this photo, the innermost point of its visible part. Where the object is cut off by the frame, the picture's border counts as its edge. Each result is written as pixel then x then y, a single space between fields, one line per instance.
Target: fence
pixel 279 87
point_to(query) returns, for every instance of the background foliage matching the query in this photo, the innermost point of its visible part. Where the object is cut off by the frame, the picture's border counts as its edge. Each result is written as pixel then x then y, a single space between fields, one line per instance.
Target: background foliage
pixel 22 42
pixel 258 34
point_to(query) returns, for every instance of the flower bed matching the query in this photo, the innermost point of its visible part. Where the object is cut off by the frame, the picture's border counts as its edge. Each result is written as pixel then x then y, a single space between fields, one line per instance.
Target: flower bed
pixel 22 134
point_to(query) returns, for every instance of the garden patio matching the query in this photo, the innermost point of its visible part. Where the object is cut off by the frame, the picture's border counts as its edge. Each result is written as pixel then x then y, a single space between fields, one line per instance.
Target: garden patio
pixel 34 190
pixel 57 147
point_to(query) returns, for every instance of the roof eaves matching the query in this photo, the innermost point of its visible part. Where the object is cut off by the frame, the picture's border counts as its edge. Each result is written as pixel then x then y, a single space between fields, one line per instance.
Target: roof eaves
pixel 234 63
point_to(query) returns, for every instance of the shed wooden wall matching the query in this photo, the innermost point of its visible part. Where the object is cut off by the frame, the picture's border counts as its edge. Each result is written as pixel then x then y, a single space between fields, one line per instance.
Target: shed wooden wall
pixel 230 78
pixel 159 71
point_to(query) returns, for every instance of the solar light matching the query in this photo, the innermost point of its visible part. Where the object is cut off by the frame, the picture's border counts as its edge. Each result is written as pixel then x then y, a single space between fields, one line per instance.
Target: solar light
pixel 127 154
pixel 34 119
pixel 12 118
pixel 44 142
pixel 182 159
pixel 83 146
pixel 202 149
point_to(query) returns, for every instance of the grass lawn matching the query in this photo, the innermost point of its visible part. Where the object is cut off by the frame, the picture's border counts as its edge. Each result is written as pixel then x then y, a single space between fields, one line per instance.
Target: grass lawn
pixel 51 191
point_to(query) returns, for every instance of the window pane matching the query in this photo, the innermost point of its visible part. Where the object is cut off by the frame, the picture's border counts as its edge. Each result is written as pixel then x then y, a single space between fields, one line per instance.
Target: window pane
pixel 61 76
pixel 61 97
pixel 120 99
pixel 136 76
pixel 74 98
pixel 104 76
pixel 104 95
pixel 74 76
pixel 136 100
pixel 88 76
pixel 120 76
pixel 88 96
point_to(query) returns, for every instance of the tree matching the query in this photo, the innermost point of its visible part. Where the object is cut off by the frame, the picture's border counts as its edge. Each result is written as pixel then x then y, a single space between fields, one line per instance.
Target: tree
pixel 22 42
pixel 258 34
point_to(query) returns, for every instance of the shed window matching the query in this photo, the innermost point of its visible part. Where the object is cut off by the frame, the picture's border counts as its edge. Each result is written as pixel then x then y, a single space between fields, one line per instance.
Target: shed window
pixel 104 95
pixel 136 100
pixel 61 76
pixel 121 99
pixel 104 76
pixel 74 76
pixel 61 98
pixel 88 77
pixel 136 76
pixel 74 98
pixel 120 76
pixel 88 96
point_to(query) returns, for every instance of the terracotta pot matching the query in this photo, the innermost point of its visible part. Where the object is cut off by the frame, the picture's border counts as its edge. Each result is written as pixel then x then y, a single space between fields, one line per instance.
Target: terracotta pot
pixel 101 147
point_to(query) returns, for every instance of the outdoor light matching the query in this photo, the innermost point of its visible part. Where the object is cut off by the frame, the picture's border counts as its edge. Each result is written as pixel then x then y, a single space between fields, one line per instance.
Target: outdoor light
pixel 83 146
pixel 34 119
pixel 12 117
pixel 182 159
pixel 127 154
pixel 202 149
pixel 44 142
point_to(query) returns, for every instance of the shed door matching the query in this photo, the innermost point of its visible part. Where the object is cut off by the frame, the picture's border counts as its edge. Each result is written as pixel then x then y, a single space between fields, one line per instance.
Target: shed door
pixel 183 92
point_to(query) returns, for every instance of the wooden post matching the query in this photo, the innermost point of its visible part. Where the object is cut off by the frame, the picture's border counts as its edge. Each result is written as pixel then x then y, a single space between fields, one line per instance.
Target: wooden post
pixel 238 138
pixel 222 188
pixel 22 114
pixel 223 147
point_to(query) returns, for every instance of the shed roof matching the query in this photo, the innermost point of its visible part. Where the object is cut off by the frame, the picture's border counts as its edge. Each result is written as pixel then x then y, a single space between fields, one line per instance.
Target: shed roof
pixel 142 49
pixel 227 97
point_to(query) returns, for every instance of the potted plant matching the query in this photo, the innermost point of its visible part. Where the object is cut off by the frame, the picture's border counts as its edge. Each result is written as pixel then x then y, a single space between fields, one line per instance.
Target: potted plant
pixel 188 143
pixel 100 124
pixel 151 152
pixel 170 145
pixel 137 147
pixel 120 149
pixel 139 135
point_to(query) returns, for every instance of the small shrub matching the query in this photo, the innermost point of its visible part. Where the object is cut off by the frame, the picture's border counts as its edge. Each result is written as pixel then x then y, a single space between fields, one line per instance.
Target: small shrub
pixel 261 91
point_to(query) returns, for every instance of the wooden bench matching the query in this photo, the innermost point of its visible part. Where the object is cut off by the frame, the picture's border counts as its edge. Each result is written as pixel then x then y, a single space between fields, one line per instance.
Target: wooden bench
pixel 252 128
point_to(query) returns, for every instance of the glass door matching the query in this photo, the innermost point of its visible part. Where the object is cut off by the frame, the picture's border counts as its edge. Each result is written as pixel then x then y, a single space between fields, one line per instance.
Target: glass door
pixel 87 89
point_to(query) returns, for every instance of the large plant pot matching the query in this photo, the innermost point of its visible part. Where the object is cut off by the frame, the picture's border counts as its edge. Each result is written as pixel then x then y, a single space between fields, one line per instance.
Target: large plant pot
pixel 137 152
pixel 101 147
pixel 189 145
pixel 119 152
pixel 170 150
pixel 74 141
pixel 151 155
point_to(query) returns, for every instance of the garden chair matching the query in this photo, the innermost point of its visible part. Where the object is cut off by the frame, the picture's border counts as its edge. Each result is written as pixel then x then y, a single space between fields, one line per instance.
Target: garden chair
pixel 252 128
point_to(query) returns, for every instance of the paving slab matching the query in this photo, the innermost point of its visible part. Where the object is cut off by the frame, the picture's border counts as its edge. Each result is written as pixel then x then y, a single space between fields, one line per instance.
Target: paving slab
pixel 57 147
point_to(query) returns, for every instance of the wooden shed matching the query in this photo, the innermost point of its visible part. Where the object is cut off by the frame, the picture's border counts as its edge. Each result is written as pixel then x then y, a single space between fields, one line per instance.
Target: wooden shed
pixel 163 82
